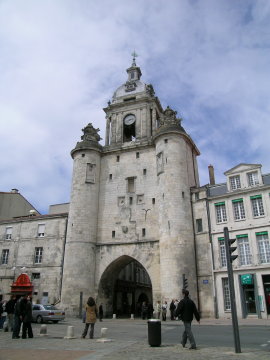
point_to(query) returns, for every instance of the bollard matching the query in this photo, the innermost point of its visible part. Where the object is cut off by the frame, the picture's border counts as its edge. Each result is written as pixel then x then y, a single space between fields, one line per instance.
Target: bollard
pixel 103 332
pixel 70 333
pixel 114 316
pixel 43 330
pixel 131 316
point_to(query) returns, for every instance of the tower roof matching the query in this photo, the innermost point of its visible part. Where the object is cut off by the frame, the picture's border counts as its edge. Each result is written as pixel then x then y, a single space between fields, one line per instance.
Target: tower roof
pixel 133 85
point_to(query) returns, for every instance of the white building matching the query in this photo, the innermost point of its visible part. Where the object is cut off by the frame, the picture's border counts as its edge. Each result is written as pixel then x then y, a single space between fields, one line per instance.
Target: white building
pixel 242 205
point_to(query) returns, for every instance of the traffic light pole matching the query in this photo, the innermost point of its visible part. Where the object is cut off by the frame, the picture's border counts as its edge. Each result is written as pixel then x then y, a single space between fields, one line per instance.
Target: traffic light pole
pixel 232 292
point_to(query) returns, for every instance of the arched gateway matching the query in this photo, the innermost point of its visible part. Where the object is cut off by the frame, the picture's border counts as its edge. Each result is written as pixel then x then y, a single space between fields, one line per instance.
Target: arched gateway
pixel 123 286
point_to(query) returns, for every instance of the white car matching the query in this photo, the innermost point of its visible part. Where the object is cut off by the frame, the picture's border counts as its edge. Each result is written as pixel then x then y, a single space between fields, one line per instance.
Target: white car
pixel 43 313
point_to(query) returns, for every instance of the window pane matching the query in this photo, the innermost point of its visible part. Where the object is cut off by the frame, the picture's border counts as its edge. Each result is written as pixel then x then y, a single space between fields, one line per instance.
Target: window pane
pixel 38 255
pixel 244 251
pixel 221 213
pixel 5 254
pixel 226 294
pixel 257 207
pixel 264 248
pixel 41 230
pixel 253 178
pixel 235 182
pixel 8 233
pixel 222 250
pixel 239 210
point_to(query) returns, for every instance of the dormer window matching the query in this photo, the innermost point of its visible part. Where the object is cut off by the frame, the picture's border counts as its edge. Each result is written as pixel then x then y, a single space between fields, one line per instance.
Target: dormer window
pixel 253 178
pixel 235 182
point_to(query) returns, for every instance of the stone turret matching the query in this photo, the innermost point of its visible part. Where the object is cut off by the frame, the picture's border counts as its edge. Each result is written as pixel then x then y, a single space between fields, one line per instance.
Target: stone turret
pixel 79 264
pixel 177 173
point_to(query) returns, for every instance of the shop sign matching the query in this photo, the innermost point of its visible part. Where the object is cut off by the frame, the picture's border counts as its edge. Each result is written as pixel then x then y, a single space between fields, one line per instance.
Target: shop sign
pixel 247 279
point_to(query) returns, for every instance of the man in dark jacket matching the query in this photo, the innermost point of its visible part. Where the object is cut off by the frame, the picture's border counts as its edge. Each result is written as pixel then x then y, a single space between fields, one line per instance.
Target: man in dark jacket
pixel 185 311
pixel 26 316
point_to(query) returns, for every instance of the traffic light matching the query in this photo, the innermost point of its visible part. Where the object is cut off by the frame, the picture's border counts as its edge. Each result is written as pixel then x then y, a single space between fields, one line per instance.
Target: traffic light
pixel 185 282
pixel 232 249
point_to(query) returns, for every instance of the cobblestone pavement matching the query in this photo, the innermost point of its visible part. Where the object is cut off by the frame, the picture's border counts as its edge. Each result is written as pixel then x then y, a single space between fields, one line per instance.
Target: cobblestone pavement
pixel 128 341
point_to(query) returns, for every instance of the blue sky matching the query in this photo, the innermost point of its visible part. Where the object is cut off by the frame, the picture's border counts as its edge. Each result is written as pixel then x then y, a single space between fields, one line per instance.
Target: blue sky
pixel 62 60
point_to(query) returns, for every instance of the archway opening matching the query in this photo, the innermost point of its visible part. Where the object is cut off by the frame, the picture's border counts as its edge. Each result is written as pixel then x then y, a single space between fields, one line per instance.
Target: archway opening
pixel 123 287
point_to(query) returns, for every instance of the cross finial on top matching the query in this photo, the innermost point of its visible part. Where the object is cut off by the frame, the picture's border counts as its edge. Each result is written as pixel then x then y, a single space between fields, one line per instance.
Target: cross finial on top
pixel 134 58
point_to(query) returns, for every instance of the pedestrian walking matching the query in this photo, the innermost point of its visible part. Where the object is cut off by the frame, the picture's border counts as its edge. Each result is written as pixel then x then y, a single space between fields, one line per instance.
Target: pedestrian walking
pixel 164 311
pixel 185 311
pixel 91 318
pixel 172 309
pixel 100 312
pixel 158 309
pixel 10 305
pixel 26 316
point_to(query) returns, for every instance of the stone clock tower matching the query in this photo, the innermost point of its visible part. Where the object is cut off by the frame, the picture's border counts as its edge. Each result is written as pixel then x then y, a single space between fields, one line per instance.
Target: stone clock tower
pixel 130 200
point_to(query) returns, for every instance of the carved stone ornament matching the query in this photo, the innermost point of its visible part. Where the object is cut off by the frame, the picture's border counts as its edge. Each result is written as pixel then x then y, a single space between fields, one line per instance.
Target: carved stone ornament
pixel 90 133
pixel 150 90
pixel 125 229
pixel 169 118
pixel 130 86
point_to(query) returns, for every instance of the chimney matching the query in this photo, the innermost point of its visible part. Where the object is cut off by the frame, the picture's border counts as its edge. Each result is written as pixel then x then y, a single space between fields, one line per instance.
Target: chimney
pixel 15 191
pixel 211 174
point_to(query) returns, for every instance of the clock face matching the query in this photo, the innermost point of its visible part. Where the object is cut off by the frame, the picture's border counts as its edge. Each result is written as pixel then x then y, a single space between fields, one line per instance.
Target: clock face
pixel 129 119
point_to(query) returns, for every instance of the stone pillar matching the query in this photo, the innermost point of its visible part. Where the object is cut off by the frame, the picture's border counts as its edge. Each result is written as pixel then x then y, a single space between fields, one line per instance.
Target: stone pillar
pixel 108 128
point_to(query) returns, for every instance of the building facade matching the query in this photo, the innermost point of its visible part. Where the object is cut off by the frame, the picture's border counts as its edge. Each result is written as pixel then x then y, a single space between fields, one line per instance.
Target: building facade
pixel 138 220
pixel 242 205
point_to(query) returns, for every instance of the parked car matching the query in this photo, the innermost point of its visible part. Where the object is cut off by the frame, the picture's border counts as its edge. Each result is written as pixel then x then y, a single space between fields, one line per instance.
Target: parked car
pixel 42 313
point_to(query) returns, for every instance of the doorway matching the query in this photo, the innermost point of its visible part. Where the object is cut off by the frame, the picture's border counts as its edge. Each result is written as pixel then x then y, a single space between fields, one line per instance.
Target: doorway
pixel 124 285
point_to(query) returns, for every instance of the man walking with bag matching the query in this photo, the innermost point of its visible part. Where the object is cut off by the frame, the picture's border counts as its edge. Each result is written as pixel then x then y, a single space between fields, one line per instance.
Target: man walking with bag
pixel 185 311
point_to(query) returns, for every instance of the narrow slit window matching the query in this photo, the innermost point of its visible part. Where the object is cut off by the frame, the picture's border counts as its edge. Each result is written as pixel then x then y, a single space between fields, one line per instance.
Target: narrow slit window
pixel 113 234
pixel 144 171
pixel 153 201
pixel 143 232
pixel 131 185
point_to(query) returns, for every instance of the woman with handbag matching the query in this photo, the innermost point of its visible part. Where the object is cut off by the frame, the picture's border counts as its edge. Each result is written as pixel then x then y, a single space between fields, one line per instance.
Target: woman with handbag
pixel 90 318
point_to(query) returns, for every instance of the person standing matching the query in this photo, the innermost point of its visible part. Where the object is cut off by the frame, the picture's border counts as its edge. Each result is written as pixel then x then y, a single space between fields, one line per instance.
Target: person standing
pixel 185 311
pixel 91 318
pixel 158 309
pixel 100 312
pixel 10 305
pixel 144 310
pixel 172 309
pixel 26 317
pixel 150 311
pixel 17 320
pixel 164 311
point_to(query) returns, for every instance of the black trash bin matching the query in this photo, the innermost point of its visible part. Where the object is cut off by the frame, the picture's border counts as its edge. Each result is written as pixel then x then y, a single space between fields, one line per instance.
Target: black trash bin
pixel 154 332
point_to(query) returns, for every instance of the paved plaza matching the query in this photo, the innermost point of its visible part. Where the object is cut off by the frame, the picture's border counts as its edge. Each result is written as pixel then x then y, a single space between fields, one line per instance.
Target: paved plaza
pixel 129 340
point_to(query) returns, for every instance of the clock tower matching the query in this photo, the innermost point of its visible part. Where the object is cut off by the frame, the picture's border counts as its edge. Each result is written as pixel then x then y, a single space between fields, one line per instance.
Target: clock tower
pixel 130 203
pixel 134 113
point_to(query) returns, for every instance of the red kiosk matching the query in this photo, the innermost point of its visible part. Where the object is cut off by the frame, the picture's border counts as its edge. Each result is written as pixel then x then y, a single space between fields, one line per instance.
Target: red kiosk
pixel 22 286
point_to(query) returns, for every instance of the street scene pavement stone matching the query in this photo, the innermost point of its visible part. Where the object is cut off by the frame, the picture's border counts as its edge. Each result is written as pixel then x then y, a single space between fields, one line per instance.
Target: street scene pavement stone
pixel 128 340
